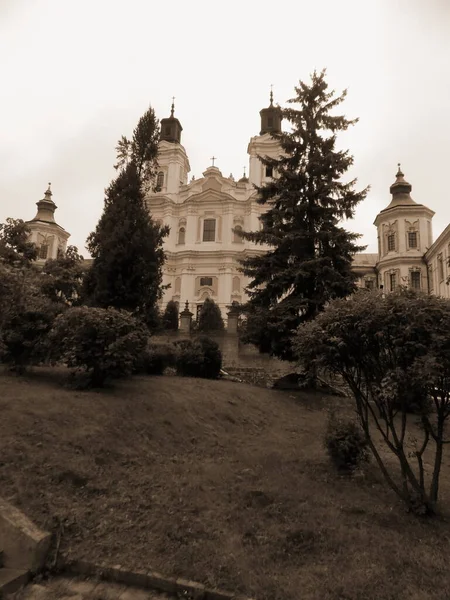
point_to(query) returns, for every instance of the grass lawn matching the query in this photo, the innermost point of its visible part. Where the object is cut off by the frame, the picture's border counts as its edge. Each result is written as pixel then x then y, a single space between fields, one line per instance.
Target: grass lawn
pixel 214 481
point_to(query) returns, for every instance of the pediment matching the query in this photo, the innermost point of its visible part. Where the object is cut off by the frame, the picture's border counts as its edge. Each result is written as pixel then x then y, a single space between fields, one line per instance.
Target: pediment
pixel 212 184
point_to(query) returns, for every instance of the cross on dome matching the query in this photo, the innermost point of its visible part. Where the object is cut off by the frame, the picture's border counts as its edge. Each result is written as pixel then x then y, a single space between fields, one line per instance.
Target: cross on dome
pixel 213 158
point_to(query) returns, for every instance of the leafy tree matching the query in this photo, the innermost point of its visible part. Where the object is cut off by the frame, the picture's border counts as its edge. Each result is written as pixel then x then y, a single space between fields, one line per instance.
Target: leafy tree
pixel 15 249
pixel 26 317
pixel 310 254
pixel 170 317
pixel 210 317
pixel 127 245
pixel 386 348
pixel 106 343
pixel 63 277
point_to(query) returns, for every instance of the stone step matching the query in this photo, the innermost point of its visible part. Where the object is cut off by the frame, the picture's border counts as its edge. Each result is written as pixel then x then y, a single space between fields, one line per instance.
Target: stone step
pixel 12 580
pixel 237 369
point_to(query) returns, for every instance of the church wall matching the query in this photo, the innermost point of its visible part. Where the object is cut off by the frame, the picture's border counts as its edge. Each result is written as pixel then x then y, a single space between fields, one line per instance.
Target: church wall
pixel 438 258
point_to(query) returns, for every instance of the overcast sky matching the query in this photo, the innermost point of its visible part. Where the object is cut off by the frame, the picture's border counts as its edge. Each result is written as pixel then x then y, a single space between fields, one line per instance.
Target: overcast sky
pixel 77 74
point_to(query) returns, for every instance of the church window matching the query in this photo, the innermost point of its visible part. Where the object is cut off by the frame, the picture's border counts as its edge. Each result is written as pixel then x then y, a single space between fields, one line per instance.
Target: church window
pixel 209 230
pixel 269 171
pixel 270 121
pixel 441 267
pixel 168 130
pixel 237 238
pixel 412 239
pixel 391 242
pixel 182 235
pixel 159 181
pixel 206 281
pixel 369 284
pixel 393 281
pixel 415 280
pixel 43 251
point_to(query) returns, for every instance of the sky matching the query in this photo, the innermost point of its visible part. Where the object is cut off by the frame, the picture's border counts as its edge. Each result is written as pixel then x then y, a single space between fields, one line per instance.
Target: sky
pixel 75 75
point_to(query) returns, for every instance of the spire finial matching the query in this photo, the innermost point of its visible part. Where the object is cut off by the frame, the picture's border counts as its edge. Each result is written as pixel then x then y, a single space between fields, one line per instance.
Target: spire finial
pixel 173 106
pixel 213 158
pixel 271 94
pixel 48 191
pixel 399 172
pixel 244 171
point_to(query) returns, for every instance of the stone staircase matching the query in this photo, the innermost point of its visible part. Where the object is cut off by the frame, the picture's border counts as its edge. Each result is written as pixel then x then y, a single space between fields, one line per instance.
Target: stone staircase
pixel 260 376
pixel 11 579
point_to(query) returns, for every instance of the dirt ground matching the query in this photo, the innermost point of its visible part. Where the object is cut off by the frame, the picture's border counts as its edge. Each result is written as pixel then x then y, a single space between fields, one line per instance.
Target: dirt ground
pixel 214 481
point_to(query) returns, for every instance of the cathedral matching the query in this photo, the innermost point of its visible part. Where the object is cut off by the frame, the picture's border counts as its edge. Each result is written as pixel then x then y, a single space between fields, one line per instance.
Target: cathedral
pixel 204 248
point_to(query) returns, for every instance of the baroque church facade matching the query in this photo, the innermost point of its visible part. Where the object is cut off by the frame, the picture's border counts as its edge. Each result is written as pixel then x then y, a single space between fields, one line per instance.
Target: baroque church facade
pixel 204 249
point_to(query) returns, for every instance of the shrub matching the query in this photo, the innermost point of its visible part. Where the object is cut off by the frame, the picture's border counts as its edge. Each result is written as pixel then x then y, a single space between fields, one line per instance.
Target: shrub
pixel 391 350
pixel 346 444
pixel 155 359
pixel 105 343
pixel 210 317
pixel 170 316
pixel 200 357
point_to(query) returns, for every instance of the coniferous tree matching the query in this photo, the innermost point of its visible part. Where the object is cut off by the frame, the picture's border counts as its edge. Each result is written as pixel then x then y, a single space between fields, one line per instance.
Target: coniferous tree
pixel 127 245
pixel 170 316
pixel 210 317
pixel 310 254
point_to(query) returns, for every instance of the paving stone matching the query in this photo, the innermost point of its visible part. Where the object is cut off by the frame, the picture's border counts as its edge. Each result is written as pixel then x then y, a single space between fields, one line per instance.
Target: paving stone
pixel 81 586
pixel 107 591
pixel 36 591
pixel 136 594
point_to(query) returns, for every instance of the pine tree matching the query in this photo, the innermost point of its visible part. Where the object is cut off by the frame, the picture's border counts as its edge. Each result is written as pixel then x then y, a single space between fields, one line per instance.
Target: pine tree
pixel 310 254
pixel 127 245
pixel 170 317
pixel 210 317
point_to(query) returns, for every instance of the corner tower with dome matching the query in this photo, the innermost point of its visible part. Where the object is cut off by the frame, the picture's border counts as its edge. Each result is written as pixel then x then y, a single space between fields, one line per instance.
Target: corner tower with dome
pixel 49 237
pixel 407 255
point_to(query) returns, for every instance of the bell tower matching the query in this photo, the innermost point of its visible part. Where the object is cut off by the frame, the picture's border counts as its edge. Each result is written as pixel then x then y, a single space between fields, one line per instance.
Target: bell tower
pixel 270 118
pixel 171 127
pixel 265 144
pixel 173 161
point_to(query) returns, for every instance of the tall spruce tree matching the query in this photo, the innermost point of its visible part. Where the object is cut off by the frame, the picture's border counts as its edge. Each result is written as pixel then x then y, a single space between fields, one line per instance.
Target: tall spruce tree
pixel 310 254
pixel 127 245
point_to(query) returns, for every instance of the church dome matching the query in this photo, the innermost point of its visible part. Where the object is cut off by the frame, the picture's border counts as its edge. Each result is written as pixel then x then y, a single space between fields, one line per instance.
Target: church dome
pixel 401 191
pixel 270 118
pixel 171 128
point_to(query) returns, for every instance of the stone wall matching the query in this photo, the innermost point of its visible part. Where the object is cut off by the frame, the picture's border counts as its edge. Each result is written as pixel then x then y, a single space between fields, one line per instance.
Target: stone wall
pixel 235 354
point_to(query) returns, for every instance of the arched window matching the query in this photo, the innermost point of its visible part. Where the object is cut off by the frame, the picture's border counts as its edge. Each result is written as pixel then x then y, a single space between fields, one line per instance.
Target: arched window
pixel 181 235
pixel 237 238
pixel 159 181
pixel 43 251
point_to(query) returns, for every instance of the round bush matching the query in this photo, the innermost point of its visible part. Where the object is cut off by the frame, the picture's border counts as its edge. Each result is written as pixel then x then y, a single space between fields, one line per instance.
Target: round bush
pixel 155 359
pixel 200 357
pixel 103 342
pixel 346 444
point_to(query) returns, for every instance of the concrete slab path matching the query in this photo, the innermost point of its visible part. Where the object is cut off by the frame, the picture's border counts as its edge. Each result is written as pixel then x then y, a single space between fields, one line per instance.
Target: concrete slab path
pixel 69 588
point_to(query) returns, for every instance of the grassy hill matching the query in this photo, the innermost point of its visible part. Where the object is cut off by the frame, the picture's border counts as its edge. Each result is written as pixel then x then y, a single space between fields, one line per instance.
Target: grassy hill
pixel 215 481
